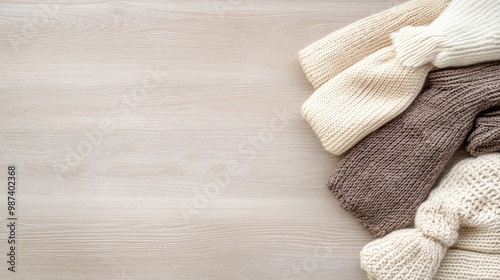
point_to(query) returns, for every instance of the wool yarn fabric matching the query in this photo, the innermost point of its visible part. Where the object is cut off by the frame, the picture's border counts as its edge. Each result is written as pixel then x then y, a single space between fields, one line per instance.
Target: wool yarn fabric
pixel 361 99
pixel 334 53
pixel 462 264
pixel 376 89
pixel 485 138
pixel 456 234
pixel 384 179
pixel 467 32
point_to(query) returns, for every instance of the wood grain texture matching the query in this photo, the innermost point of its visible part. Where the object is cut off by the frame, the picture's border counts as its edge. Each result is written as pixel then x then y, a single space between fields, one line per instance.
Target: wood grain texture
pixel 164 140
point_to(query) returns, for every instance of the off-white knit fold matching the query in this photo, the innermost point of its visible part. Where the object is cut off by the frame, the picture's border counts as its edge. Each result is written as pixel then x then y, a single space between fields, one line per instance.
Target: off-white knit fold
pixel 466 33
pixel 463 264
pixel 456 234
pixel 334 53
pixel 361 99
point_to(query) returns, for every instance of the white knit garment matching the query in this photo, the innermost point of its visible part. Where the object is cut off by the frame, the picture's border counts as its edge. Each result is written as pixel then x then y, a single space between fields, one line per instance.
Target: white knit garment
pixel 456 234
pixel 466 33
pixel 331 55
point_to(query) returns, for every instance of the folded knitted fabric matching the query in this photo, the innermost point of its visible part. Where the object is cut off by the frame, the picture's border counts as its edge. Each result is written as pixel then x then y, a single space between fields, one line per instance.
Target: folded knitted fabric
pixel 467 32
pixel 331 55
pixel 384 179
pixel 361 99
pixel 463 213
pixel 485 138
pixel 462 264
pixel 379 87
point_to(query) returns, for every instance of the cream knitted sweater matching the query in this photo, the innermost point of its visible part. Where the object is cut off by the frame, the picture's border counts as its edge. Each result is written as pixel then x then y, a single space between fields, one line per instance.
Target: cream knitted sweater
pixel 334 53
pixel 379 87
pixel 456 234
pixel 467 32
pixel 361 99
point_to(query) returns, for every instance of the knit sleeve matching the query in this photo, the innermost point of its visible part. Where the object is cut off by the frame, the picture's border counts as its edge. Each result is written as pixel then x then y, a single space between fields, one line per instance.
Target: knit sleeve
pixel 485 137
pixel 465 197
pixel 465 33
pixel 334 53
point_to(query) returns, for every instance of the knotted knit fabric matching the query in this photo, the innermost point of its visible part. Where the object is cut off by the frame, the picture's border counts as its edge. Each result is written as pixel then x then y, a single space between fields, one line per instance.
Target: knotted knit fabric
pixel 485 138
pixel 384 178
pixel 334 53
pixel 456 234
pixel 467 32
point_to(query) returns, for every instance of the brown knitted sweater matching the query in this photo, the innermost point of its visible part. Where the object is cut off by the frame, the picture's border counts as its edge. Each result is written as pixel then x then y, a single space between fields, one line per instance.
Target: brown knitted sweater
pixel 485 138
pixel 384 178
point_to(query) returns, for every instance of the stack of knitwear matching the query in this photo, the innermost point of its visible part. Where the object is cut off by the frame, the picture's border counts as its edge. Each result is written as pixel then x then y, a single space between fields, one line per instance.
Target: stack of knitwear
pixel 401 91
pixel 384 178
pixel 338 51
pixel 456 234
pixel 357 94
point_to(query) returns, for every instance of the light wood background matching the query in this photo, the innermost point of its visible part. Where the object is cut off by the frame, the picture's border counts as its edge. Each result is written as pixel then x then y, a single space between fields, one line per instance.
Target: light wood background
pixel 123 119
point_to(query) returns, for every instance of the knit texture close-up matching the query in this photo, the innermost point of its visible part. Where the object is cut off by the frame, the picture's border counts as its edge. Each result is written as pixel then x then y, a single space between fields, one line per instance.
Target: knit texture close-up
pixel 485 137
pixel 456 234
pixel 467 32
pixel 361 99
pixel 384 178
pixel 334 53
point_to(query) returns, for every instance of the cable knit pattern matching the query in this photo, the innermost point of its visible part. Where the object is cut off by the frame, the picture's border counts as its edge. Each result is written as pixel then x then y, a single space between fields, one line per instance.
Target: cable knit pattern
pixel 384 178
pixel 463 213
pixel 485 138
pixel 361 99
pixel 334 53
pixel 466 33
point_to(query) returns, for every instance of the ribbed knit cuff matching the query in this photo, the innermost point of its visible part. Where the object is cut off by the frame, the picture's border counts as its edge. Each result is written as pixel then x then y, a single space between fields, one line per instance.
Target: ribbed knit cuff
pixel 485 137
pixel 343 48
pixel 416 46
